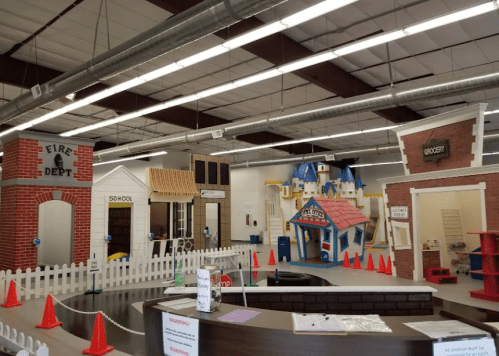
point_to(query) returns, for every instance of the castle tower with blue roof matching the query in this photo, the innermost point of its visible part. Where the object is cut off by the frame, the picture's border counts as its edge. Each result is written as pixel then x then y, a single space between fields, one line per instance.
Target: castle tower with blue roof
pixel 311 184
pixel 347 184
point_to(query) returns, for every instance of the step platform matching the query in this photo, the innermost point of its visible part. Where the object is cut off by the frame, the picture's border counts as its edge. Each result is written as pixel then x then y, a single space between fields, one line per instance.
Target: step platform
pixel 439 275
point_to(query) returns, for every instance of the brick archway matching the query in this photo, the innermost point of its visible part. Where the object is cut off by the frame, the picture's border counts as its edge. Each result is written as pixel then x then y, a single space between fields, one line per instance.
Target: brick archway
pixel 56 195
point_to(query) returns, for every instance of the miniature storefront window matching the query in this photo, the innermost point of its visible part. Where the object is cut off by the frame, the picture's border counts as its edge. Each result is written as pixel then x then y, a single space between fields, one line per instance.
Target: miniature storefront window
pixel 344 241
pixel 327 235
pixel 401 235
pixel 358 236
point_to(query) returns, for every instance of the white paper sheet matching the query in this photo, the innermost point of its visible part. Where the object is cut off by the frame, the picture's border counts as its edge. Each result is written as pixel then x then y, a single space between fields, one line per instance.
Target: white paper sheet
pixel 313 322
pixel 178 304
pixel 364 323
pixel 446 328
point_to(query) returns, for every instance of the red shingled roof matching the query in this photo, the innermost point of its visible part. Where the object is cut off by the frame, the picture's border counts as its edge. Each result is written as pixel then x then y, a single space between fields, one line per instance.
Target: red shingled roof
pixel 342 212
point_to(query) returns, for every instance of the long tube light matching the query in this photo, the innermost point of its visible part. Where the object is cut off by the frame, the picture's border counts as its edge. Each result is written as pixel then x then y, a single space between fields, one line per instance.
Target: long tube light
pixel 241 40
pixel 294 142
pixel 374 164
pixel 311 60
pixel 160 153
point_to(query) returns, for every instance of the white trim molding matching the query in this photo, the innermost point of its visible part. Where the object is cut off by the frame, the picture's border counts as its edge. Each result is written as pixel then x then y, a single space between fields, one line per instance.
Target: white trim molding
pixel 389 235
pixel 396 239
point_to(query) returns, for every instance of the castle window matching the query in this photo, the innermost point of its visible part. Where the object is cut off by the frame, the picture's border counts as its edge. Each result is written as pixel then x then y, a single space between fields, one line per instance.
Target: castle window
pixel 288 226
pixel 298 204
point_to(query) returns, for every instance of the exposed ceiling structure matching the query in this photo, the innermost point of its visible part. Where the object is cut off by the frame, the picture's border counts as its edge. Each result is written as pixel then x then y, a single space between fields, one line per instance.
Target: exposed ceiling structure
pixel 41 40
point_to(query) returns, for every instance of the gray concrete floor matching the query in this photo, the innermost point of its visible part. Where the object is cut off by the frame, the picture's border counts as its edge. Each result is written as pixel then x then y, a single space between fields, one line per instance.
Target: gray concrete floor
pixel 25 317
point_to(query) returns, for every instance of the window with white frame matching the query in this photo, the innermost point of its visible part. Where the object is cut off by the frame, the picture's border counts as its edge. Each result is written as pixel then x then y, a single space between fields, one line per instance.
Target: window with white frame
pixel 401 235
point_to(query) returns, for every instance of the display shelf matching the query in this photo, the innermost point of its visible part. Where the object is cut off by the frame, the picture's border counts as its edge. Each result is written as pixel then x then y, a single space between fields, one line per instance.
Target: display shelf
pixel 490 266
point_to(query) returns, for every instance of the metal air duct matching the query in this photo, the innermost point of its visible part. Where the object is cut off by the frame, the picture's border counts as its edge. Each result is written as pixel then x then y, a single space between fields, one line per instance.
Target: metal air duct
pixel 199 21
pixel 459 84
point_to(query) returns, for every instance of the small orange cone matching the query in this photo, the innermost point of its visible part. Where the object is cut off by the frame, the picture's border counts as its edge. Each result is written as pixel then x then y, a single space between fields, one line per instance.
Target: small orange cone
pixel 382 267
pixel 356 262
pixel 370 264
pixel 346 261
pixel 98 345
pixel 255 260
pixel 389 266
pixel 271 258
pixel 11 297
pixel 49 319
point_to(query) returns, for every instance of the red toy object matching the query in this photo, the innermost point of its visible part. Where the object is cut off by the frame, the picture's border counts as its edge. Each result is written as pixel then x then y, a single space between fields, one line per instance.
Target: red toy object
pixel 98 345
pixel 346 261
pixel 356 262
pixel 370 263
pixel 271 258
pixel 49 319
pixel 382 267
pixel 225 281
pixel 11 297
pixel 255 260
pixel 439 275
pixel 389 266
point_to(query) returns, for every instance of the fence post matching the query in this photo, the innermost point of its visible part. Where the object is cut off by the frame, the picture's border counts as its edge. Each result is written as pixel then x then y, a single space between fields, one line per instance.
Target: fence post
pixel 28 275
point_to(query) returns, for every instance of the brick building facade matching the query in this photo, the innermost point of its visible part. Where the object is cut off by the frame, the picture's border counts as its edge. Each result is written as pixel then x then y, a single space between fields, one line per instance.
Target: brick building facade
pixel 461 171
pixel 38 168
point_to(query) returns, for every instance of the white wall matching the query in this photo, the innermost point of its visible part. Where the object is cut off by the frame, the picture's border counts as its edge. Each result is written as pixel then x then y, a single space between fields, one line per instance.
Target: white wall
pixel 369 175
pixel 248 195
pixel 173 160
pixel 352 246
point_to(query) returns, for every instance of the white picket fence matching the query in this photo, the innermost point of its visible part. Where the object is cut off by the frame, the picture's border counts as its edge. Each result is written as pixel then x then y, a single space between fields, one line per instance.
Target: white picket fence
pixel 11 341
pixel 62 280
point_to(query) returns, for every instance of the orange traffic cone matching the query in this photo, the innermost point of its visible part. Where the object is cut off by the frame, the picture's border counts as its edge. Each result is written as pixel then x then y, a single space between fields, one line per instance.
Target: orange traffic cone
pixel 11 297
pixel 389 266
pixel 370 263
pixel 271 258
pixel 346 261
pixel 356 262
pixel 49 319
pixel 98 345
pixel 382 267
pixel 255 260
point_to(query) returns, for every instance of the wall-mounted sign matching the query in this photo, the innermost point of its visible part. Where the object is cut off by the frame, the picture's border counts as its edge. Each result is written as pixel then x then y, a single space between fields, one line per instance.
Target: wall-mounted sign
pixel 435 150
pixel 399 212
pixel 180 335
pixel 120 199
pixel 312 213
pixel 212 194
pixel 58 160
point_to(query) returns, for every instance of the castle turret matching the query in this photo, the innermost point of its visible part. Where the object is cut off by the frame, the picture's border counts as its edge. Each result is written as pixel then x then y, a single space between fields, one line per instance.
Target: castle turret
pixel 323 174
pixel 347 184
pixel 286 190
pixel 310 184
pixel 295 181
pixel 329 191
pixel 359 189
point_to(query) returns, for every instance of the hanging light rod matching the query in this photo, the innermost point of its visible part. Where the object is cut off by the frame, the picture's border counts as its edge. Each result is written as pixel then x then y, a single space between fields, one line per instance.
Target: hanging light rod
pixel 303 63
pixel 160 153
pixel 373 164
pixel 294 142
pixel 300 17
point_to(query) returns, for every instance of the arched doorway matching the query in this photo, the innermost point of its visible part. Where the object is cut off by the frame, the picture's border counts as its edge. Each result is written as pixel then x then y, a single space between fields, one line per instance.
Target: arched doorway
pixel 55 230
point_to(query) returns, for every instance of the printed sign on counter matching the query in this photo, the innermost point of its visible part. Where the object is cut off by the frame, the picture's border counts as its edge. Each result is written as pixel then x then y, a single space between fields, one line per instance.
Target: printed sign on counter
pixel 94 266
pixel 180 335
pixel 470 347
pixel 204 290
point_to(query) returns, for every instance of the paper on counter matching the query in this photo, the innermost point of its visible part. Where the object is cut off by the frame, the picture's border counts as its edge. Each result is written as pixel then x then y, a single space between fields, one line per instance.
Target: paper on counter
pixel 364 323
pixel 178 304
pixel 303 322
pixel 446 328
pixel 239 316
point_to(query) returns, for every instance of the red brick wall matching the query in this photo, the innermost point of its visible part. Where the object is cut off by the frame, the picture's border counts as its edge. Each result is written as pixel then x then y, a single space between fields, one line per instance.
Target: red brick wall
pixel 460 136
pixel 25 165
pixel 19 211
pixel 430 259
pixel 399 195
pixel 20 204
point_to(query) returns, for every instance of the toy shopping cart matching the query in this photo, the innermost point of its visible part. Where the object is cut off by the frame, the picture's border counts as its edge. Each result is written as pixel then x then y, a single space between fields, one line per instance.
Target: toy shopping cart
pixel 463 262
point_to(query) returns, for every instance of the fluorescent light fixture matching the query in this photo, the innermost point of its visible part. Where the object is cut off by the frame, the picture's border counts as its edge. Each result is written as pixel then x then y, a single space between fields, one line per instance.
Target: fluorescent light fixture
pixel 216 90
pixel 452 17
pixel 98 96
pixel 133 158
pixel 256 34
pixel 158 73
pixel 257 77
pixel 490 153
pixel 202 56
pixel 491 112
pixel 179 101
pixel 307 62
pixel 1 154
pixel 315 11
pixel 355 151
pixel 374 164
pixel 310 139
pixel 127 85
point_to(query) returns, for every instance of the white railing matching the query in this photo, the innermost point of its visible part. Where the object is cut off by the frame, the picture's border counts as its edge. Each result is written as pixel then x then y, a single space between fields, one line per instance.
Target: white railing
pixel 10 340
pixel 62 280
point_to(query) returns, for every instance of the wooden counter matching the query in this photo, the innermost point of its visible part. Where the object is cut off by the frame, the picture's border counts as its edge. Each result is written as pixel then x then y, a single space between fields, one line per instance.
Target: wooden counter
pixel 271 333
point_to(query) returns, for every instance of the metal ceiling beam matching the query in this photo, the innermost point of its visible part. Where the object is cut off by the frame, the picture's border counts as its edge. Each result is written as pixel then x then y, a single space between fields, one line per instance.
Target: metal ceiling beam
pixel 325 75
pixel 24 75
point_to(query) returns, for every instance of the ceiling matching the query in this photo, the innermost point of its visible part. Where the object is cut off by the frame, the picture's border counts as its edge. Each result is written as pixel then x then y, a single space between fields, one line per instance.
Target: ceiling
pixel 41 39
